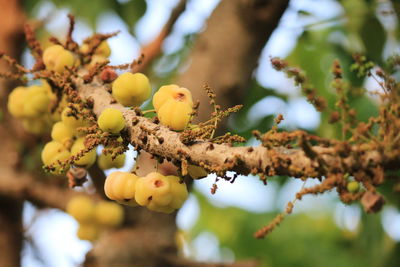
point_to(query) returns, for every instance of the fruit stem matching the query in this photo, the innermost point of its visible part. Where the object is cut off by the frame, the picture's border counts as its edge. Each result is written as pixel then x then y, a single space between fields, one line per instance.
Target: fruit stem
pixel 148 111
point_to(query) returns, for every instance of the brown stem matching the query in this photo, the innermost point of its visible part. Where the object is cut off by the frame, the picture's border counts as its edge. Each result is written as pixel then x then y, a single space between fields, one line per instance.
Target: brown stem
pixel 153 49
pixel 223 157
pixel 19 186
pixel 98 179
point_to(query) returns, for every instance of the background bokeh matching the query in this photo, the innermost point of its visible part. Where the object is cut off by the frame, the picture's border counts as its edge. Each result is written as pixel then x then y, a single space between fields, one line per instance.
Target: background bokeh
pixel 312 33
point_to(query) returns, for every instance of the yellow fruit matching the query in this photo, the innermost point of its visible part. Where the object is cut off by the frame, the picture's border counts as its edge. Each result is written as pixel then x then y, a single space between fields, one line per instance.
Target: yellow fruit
pixel 48 90
pixel 196 172
pixel 71 121
pixel 165 209
pixel 121 186
pixel 106 162
pixel 179 192
pixel 102 50
pixel 109 214
pixel 56 58
pixel 171 91
pixel 131 89
pixel 82 208
pixel 96 59
pixel 52 153
pixel 56 115
pixel 153 188
pixel 353 187
pixel 37 101
pixel 88 231
pixel 61 133
pixel 111 120
pixel 36 126
pixel 88 158
pixel 16 101
pixel 175 114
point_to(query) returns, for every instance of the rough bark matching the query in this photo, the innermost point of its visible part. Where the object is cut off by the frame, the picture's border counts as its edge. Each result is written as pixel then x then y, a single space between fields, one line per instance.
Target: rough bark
pixel 159 140
pixel 225 55
pixel 11 40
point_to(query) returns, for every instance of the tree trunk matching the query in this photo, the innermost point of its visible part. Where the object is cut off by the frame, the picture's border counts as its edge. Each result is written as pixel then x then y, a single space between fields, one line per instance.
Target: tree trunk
pixel 226 53
pixel 11 40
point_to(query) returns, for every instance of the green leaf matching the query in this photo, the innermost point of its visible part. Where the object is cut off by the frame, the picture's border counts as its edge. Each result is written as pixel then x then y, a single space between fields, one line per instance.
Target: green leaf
pixel 131 11
pixel 373 36
pixel 301 239
pixel 89 12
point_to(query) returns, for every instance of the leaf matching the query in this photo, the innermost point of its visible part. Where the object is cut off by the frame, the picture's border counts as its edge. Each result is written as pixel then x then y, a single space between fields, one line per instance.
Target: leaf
pixel 301 239
pixel 86 11
pixel 373 36
pixel 131 11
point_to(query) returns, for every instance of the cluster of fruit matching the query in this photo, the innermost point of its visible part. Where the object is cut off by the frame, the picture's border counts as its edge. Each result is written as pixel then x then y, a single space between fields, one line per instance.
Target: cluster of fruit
pixel 93 218
pixel 111 120
pixel 67 141
pixel 172 103
pixel 31 104
pixel 174 106
pixel 57 58
pixel 155 191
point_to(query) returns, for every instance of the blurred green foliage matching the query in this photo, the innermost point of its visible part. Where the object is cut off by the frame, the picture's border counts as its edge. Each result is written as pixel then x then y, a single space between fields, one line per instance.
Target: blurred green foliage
pixel 302 240
pixel 129 11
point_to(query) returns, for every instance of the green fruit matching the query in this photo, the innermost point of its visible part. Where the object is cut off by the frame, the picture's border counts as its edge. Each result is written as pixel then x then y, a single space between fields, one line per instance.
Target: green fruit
pixel 106 162
pixel 131 89
pixel 353 186
pixel 82 208
pixel 88 158
pixel 111 120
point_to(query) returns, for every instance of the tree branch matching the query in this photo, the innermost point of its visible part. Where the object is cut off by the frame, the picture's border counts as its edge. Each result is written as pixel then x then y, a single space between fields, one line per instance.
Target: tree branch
pixel 153 49
pixel 23 186
pixel 223 157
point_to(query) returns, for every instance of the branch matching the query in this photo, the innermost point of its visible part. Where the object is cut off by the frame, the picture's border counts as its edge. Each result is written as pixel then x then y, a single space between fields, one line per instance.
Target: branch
pixel 153 49
pixel 98 179
pixel 219 158
pixel 23 186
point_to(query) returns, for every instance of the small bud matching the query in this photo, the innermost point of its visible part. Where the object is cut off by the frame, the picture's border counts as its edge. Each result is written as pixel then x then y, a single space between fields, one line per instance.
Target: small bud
pixel 108 75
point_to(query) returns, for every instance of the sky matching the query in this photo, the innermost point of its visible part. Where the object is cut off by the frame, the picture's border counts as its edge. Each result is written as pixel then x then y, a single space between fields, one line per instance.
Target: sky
pixel 58 229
